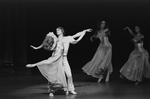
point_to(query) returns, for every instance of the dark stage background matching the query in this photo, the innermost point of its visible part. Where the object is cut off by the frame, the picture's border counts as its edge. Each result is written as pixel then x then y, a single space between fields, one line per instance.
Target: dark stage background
pixel 26 22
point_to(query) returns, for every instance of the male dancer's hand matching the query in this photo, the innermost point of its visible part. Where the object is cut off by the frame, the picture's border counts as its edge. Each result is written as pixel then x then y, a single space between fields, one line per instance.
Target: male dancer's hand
pixel 88 30
pixel 126 28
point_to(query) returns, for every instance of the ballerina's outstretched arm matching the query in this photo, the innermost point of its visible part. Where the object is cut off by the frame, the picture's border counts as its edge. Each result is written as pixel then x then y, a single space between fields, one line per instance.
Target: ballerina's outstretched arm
pixel 49 60
pixel 49 34
pixel 130 31
pixel 36 47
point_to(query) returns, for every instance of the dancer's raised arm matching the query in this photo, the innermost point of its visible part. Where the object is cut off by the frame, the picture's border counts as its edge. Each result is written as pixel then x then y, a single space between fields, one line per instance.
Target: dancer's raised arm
pixel 130 31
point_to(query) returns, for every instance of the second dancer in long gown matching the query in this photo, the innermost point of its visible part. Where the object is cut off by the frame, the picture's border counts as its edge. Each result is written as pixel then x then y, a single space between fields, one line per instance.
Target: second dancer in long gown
pixel 101 64
pixel 138 64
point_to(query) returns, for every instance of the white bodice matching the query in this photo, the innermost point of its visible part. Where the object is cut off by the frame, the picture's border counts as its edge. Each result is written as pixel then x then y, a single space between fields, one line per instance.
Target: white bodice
pixel 59 48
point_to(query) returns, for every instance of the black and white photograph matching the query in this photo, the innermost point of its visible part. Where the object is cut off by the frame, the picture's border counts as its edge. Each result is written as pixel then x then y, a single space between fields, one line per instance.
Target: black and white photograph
pixel 74 49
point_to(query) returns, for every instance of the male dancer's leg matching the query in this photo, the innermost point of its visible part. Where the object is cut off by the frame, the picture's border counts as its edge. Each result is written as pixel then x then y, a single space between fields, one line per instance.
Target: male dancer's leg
pixel 69 75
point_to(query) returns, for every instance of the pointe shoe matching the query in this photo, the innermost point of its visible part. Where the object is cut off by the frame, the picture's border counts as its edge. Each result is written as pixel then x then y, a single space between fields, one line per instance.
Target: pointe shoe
pixel 137 83
pixel 99 80
pixel 107 80
pixel 51 94
pixel 73 92
pixel 30 65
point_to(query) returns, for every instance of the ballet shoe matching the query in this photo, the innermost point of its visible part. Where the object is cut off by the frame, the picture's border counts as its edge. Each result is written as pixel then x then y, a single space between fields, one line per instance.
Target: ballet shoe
pixel 51 94
pixel 99 80
pixel 67 92
pixel 30 65
pixel 107 80
pixel 137 83
pixel 73 92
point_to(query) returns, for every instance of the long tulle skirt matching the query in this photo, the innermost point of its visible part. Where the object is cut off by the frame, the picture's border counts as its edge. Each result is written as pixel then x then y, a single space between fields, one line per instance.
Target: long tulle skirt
pixel 54 72
pixel 136 66
pixel 100 63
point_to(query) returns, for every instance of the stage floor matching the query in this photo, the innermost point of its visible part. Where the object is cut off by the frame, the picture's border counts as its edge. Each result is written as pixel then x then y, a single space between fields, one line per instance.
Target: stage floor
pixel 35 87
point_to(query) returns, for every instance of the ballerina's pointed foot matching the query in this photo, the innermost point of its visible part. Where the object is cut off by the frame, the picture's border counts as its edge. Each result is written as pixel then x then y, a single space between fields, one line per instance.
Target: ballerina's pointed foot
pixel 51 94
pixel 99 80
pixel 107 80
pixel 30 65
pixel 137 83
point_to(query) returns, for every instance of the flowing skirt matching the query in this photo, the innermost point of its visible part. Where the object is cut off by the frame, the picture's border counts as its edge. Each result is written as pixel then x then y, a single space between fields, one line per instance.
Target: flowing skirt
pixel 100 63
pixel 136 66
pixel 54 72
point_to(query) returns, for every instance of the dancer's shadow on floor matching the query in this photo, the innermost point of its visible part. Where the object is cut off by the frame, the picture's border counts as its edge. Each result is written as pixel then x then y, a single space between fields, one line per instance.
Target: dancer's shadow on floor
pixel 61 91
pixel 83 84
pixel 124 80
pixel 58 92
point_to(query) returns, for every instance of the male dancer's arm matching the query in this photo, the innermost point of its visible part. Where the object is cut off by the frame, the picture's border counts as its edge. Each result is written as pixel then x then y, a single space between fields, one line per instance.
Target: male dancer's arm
pixel 79 35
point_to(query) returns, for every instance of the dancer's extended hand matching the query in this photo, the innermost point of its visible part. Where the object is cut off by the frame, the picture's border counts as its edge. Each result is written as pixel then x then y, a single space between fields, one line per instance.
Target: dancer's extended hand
pixel 88 30
pixel 33 47
pixel 126 28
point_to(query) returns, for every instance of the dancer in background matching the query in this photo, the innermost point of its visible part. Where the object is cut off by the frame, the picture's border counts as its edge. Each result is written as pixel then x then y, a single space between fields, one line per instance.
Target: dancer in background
pixel 101 65
pixel 56 67
pixel 138 64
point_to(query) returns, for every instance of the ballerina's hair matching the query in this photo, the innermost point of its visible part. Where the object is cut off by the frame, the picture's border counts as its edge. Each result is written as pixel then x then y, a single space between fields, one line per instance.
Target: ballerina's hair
pixel 48 43
pixel 99 28
pixel 99 24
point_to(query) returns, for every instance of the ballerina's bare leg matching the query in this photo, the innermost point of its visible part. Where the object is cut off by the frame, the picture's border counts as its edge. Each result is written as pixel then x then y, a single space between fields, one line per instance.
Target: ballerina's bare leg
pixel 47 61
pixel 100 78
pixel 107 77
